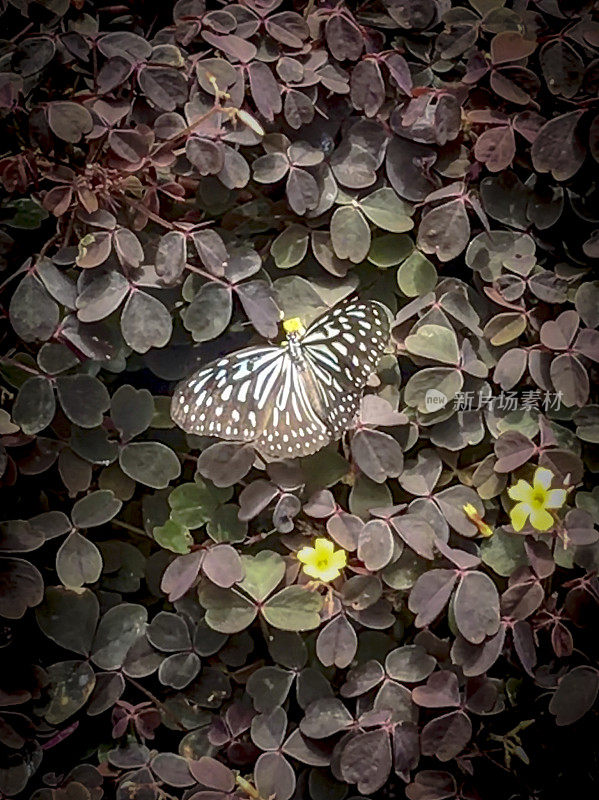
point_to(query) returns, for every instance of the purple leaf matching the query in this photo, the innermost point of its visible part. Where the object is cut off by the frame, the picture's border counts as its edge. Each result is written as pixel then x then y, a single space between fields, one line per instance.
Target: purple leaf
pixel 558 148
pixel 432 785
pixel 558 334
pixel 571 379
pixel 362 679
pixel 416 533
pixel 375 545
pixel 440 690
pixel 521 600
pixel 410 663
pixel 258 301
pixel 320 505
pixel 366 761
pixel 181 574
pixel 476 607
pixel 345 529
pixel 445 737
pixel 496 148
pixel 343 37
pixel 575 695
pixel 406 748
pixel 265 90
pixel 337 643
pixel 377 454
pixel 274 776
pixel 524 645
pixel 212 773
pixel 325 717
pixel 513 449
pixel 430 594
pixel 367 91
pixel 445 231
pixel 476 659
pixel 223 565
pixel 225 463
pixel 255 497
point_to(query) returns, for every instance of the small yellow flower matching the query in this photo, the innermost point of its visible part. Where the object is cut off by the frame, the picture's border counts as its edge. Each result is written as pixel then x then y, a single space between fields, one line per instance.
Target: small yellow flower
pixel 473 515
pixel 535 500
pixel 293 325
pixel 322 561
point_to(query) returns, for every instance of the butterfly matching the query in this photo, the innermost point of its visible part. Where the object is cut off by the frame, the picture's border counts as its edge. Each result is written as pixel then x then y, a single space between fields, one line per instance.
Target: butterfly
pixel 288 400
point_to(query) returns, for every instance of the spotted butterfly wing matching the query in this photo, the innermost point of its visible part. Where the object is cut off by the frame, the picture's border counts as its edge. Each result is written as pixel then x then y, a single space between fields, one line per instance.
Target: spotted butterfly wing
pixel 288 401
pixel 343 349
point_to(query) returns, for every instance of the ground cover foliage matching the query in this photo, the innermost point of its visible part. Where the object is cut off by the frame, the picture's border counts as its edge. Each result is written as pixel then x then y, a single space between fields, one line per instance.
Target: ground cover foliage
pixel 176 175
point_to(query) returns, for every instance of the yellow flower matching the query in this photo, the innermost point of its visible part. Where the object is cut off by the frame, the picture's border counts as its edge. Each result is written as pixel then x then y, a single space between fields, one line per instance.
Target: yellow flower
pixel 293 325
pixel 322 561
pixel 535 500
pixel 473 515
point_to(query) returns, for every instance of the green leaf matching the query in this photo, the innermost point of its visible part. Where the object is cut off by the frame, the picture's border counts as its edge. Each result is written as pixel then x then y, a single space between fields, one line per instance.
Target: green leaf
pixel 78 561
pixel 442 380
pixel 294 608
pixel 227 611
pixel 350 234
pixel 225 525
pixel 70 683
pixel 83 398
pixel 35 405
pixel 28 215
pixel 69 618
pixel 173 536
pixel 503 552
pixel 145 322
pixel 389 249
pixel 262 573
pixel 435 342
pixel 131 410
pixel 151 463
pixel 119 628
pixel 387 211
pixel 290 247
pixel 95 509
pixel 417 275
pixel 194 504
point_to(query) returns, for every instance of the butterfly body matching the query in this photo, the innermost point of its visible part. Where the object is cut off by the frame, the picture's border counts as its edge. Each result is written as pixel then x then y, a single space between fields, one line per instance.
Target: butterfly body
pixel 290 400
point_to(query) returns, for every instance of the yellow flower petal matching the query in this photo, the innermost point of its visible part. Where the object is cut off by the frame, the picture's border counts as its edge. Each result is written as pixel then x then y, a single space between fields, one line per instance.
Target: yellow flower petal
pixel 312 571
pixel 329 575
pixel 541 520
pixel 322 561
pixel 324 546
pixel 555 498
pixel 543 478
pixel 339 559
pixel 520 491
pixel 485 530
pixel 306 554
pixel 519 515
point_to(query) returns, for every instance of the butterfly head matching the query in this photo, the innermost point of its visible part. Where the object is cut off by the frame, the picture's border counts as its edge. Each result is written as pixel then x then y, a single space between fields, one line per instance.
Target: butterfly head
pixel 293 327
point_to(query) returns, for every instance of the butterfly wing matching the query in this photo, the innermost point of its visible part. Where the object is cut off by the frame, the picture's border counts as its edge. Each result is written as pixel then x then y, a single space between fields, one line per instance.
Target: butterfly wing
pixel 296 426
pixel 288 406
pixel 345 345
pixel 343 349
pixel 229 397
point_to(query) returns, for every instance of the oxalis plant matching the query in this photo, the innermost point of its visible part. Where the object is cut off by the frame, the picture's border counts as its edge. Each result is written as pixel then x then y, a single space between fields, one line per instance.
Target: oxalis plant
pixel 411 611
